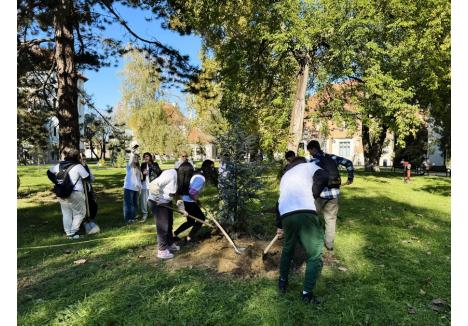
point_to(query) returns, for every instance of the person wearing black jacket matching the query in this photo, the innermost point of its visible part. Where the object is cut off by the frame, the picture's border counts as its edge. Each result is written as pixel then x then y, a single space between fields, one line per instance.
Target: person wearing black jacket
pixel 297 221
pixel 150 170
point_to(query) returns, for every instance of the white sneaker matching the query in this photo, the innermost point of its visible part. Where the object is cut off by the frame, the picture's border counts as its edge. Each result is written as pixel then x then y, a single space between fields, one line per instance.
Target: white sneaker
pixel 165 254
pixel 144 218
pixel 74 237
pixel 174 247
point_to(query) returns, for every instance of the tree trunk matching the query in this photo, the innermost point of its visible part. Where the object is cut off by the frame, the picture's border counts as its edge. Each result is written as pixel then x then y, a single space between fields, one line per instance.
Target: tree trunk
pixel 297 115
pixel 91 147
pixel 67 93
pixel 103 146
pixel 373 147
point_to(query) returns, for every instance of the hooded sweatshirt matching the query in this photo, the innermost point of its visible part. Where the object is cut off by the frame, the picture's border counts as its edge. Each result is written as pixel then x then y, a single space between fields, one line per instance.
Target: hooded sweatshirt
pixel 163 188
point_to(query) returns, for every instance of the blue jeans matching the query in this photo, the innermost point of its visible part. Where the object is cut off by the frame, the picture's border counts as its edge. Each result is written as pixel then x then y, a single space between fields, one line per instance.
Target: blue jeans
pixel 130 204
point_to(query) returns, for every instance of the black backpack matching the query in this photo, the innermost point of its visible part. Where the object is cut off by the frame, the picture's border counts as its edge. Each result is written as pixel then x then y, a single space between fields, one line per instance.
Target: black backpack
pixel 329 165
pixel 63 187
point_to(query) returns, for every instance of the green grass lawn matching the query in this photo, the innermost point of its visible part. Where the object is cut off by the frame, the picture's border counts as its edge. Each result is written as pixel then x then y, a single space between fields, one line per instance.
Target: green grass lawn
pixel 393 238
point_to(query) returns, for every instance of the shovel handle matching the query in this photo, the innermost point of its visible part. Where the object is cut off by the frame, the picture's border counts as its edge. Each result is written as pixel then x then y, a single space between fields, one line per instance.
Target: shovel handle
pixel 226 235
pixel 192 217
pixel 222 230
pixel 270 244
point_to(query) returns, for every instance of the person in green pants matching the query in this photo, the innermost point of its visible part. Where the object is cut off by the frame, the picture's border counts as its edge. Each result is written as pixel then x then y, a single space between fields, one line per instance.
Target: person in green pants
pixel 298 221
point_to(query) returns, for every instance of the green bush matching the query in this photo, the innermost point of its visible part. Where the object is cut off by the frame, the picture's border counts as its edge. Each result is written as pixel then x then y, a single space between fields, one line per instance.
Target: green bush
pixel 120 161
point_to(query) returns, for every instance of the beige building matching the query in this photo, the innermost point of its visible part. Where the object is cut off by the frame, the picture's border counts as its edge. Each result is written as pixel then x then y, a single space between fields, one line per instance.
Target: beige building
pixel 341 140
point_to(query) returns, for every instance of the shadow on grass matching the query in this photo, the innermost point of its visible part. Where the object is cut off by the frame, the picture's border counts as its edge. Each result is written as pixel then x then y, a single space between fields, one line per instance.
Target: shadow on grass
pixel 117 287
pixel 438 189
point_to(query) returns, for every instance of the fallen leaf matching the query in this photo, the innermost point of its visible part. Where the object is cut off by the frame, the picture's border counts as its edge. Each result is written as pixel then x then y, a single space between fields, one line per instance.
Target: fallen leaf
pixel 429 253
pixel 67 251
pixel 420 215
pixel 436 307
pixel 79 261
pixel 438 302
pixel 141 256
pixel 411 309
pixel 414 238
pixel 422 292
pixel 130 250
pixel 343 269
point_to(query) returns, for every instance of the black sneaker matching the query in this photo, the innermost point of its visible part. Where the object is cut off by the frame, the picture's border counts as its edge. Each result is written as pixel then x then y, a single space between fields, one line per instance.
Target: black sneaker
pixel 282 285
pixel 309 297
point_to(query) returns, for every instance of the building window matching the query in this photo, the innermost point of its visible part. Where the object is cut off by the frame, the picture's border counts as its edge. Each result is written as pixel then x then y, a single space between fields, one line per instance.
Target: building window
pixel 55 131
pixel 344 149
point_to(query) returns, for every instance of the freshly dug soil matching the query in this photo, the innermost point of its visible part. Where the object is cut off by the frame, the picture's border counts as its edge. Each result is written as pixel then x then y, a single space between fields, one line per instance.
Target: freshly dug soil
pixel 217 254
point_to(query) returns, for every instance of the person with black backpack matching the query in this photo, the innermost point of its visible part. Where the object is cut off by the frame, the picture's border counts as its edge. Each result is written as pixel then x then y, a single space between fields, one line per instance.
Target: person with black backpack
pixel 68 177
pixel 327 203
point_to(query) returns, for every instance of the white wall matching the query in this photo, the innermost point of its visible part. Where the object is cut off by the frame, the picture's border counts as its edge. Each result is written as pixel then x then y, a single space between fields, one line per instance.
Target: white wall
pixel 434 154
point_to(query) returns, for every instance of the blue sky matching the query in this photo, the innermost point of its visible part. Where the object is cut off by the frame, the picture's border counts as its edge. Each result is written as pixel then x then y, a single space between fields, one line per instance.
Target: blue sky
pixel 104 84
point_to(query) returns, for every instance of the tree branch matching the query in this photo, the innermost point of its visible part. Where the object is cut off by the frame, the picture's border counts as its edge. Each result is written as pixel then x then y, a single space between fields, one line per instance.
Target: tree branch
pixel 122 22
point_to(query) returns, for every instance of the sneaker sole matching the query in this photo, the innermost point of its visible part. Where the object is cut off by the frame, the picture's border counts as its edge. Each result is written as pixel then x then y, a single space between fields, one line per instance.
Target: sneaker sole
pixel 165 257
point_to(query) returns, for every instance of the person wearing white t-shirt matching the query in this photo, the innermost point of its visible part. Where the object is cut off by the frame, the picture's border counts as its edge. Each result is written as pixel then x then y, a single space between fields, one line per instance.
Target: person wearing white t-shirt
pixel 197 184
pixel 74 206
pixel 298 221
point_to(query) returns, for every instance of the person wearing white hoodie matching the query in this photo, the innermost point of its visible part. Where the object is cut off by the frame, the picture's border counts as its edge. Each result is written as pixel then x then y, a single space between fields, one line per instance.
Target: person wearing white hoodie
pixel 132 187
pixel 161 192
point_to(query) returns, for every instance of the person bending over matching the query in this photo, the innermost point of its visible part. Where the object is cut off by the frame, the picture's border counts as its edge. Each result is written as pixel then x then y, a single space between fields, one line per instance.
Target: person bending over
pixel 190 198
pixel 297 221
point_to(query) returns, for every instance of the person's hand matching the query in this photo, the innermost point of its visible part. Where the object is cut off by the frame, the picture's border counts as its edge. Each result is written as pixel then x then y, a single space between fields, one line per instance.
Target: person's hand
pixel 280 233
pixel 145 172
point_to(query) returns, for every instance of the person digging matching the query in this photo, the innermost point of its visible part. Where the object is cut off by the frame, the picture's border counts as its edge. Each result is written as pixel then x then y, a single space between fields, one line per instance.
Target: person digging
pixel 297 221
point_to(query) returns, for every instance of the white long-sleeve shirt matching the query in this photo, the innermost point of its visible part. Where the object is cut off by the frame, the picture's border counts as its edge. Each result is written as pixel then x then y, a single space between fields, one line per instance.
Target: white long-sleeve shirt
pixel 132 177
pixel 161 188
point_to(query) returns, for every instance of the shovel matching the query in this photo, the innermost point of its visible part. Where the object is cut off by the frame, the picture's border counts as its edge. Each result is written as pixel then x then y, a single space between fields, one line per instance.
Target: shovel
pixel 269 246
pixel 185 213
pixel 238 250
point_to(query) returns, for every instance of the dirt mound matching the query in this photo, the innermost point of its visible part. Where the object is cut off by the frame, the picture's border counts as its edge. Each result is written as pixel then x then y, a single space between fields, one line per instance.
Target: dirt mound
pixel 216 253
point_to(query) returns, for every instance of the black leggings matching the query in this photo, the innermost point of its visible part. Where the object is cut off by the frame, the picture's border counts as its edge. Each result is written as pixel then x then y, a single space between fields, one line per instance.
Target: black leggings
pixel 194 210
pixel 164 220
